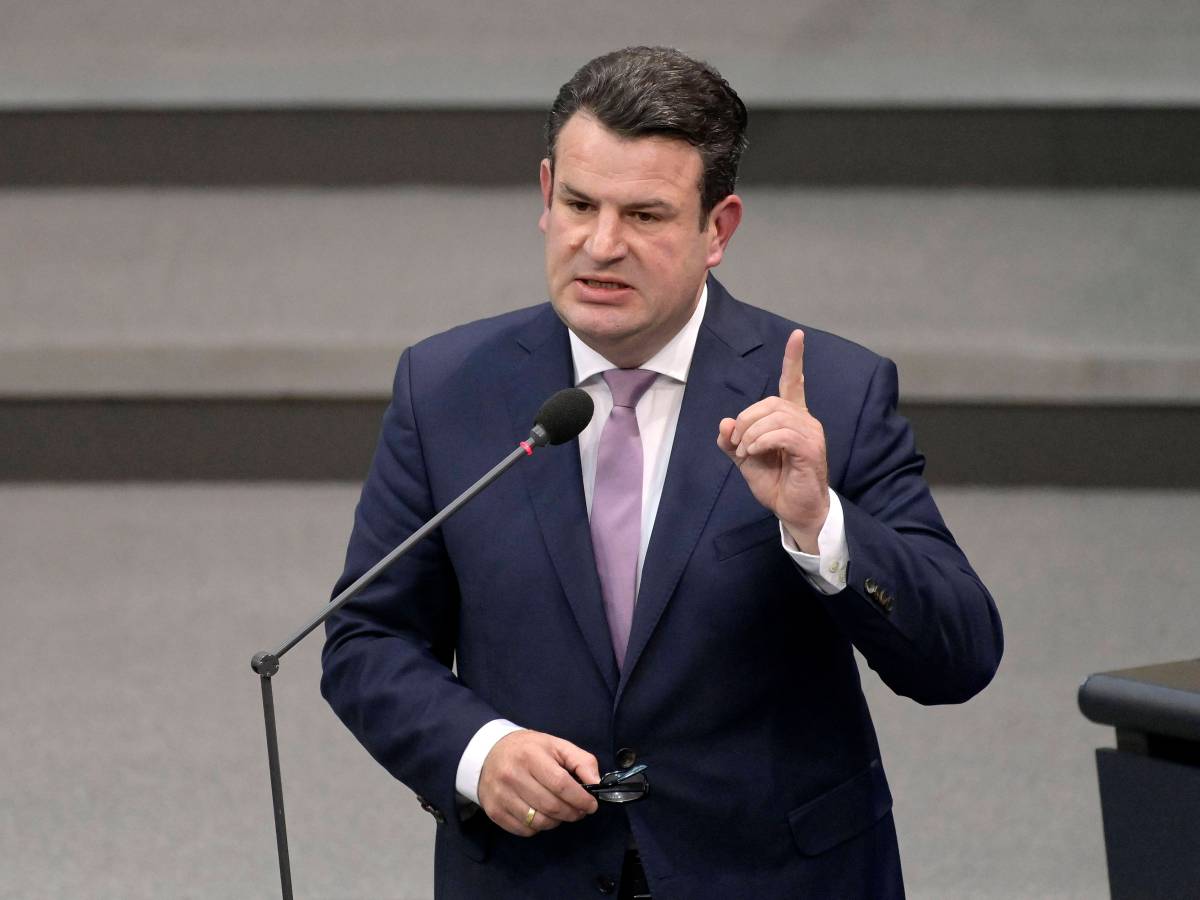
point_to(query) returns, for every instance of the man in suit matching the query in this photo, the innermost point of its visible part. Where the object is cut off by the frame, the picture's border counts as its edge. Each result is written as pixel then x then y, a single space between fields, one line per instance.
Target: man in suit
pixel 682 586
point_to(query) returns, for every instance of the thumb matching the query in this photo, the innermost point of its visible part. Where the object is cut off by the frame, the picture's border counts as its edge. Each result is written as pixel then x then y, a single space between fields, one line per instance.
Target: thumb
pixel 725 438
pixel 579 761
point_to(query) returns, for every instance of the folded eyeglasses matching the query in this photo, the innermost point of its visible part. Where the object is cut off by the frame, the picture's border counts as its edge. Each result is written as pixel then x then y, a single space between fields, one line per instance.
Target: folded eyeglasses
pixel 621 786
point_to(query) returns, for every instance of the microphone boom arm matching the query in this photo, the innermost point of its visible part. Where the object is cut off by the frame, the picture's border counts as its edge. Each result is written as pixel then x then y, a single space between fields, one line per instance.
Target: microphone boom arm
pixel 266 663
pixel 267 659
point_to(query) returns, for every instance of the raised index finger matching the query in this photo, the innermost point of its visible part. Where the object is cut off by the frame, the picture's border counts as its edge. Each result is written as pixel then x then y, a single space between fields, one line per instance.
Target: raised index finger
pixel 791 380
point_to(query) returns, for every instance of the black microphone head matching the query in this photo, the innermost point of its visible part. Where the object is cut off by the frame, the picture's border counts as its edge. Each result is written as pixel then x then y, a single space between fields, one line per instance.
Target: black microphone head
pixel 565 415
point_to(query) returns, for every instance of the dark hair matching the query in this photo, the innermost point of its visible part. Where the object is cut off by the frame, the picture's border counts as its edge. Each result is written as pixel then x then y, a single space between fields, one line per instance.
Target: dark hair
pixel 643 91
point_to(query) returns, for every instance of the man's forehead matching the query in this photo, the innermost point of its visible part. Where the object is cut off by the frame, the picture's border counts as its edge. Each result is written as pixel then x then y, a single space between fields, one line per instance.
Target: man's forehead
pixel 588 153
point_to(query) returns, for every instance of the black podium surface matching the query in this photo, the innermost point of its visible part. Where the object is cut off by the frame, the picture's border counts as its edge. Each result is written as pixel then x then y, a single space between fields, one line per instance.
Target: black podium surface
pixel 1150 784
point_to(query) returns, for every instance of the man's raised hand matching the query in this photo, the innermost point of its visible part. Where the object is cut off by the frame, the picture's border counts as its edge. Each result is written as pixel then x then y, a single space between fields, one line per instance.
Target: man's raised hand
pixel 780 450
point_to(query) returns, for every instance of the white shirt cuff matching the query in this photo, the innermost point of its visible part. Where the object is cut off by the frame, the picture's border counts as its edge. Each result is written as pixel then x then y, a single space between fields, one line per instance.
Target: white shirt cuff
pixel 825 570
pixel 466 780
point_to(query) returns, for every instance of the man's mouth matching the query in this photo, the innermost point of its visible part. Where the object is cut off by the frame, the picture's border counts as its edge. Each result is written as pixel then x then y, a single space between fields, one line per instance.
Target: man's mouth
pixel 604 285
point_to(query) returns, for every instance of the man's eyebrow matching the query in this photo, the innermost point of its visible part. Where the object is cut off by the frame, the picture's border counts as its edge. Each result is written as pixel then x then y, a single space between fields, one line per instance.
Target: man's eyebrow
pixel 650 203
pixel 565 188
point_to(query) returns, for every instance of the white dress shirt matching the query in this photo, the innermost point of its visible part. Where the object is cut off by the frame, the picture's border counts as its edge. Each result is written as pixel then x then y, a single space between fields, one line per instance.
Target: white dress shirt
pixel 657 415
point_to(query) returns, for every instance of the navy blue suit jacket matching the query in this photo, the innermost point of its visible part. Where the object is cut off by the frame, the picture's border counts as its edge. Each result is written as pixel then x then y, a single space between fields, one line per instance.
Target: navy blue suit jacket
pixel 740 689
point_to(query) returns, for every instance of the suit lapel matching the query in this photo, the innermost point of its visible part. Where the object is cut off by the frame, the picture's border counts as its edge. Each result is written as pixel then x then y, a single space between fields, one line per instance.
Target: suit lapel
pixel 721 382
pixel 555 483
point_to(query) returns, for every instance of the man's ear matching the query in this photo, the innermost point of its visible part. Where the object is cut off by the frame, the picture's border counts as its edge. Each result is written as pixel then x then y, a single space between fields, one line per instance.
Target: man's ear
pixel 547 179
pixel 723 221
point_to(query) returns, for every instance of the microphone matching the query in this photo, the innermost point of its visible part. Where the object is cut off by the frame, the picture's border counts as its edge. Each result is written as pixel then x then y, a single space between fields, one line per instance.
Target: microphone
pixel 561 418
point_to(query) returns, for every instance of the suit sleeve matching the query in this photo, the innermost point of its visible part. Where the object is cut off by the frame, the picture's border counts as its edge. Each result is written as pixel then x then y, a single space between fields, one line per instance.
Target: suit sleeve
pixel 388 653
pixel 914 607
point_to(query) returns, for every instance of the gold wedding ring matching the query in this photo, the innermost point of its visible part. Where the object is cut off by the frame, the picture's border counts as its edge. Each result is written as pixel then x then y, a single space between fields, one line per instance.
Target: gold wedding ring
pixel 529 817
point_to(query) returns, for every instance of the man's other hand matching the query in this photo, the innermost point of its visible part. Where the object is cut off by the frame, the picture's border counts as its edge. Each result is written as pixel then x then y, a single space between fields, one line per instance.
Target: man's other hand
pixel 780 450
pixel 530 770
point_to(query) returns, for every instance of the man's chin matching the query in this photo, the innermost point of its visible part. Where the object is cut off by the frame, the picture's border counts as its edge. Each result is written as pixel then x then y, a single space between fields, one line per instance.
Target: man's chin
pixel 602 329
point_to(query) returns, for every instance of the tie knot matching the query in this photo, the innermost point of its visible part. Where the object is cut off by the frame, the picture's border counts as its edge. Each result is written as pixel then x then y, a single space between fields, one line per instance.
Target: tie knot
pixel 628 385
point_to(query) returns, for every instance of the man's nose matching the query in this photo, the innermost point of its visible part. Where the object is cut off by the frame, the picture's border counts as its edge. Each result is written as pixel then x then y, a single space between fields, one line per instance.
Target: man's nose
pixel 607 240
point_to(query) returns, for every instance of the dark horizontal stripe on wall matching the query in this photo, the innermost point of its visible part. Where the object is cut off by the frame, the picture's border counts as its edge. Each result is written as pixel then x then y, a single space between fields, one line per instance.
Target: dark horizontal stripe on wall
pixel 993 147
pixel 322 147
pixel 209 439
pixel 1066 147
pixel 187 440
pixel 1077 446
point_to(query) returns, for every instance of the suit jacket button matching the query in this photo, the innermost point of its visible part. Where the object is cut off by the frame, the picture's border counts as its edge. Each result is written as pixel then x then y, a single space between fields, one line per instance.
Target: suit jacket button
pixel 886 602
pixel 626 758
pixel 605 885
pixel 871 586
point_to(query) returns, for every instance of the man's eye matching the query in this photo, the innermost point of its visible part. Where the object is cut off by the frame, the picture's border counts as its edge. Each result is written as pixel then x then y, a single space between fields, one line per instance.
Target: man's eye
pixel 579 205
pixel 645 217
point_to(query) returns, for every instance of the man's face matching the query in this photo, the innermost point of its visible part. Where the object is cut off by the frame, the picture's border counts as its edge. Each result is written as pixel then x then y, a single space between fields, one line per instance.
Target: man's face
pixel 625 254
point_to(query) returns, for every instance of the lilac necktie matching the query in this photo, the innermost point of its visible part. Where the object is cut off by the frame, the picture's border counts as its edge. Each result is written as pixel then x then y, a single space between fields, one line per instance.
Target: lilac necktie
pixel 617 503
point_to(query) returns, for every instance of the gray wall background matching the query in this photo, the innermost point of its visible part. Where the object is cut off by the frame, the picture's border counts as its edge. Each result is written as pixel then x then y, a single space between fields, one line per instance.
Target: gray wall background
pixel 220 223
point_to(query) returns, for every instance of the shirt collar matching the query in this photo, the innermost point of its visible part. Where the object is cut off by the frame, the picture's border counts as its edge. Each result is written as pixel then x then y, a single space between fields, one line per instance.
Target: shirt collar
pixel 673 360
